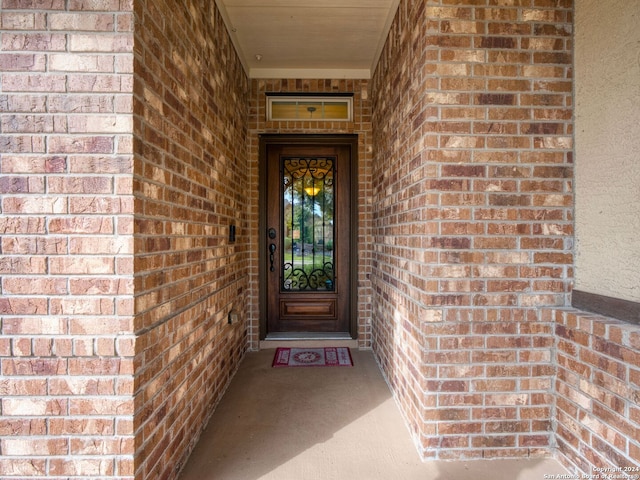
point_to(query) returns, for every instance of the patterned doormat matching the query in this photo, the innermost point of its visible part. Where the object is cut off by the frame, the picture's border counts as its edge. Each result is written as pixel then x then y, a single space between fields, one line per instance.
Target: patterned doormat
pixel 313 357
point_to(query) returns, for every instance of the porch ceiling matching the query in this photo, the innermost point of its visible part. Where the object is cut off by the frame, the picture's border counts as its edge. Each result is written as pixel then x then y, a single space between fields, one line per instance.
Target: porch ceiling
pixel 308 38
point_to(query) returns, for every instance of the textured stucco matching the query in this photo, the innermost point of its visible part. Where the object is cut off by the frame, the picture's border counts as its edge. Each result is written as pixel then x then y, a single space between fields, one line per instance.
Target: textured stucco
pixel 607 63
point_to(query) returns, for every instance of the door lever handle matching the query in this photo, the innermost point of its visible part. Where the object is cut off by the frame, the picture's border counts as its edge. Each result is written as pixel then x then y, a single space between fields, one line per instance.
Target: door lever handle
pixel 272 251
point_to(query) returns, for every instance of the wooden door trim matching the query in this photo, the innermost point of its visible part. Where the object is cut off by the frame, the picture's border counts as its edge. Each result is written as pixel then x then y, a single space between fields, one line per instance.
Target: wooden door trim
pixel 290 139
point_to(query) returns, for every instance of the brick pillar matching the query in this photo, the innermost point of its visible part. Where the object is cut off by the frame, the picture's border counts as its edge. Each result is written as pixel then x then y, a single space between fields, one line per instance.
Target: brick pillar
pixel 66 309
pixel 472 116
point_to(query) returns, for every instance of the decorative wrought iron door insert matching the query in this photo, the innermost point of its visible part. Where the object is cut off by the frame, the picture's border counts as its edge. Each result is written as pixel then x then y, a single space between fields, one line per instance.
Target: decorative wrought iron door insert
pixel 308 206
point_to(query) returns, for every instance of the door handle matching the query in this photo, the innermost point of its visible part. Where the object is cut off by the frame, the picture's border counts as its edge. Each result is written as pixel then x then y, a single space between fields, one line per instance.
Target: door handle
pixel 272 251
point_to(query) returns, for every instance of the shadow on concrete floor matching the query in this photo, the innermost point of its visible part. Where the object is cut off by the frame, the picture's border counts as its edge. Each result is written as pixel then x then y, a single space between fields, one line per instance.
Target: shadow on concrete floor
pixel 325 423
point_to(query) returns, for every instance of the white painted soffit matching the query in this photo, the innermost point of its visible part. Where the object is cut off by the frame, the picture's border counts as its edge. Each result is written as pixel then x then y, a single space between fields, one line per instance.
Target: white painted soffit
pixel 308 38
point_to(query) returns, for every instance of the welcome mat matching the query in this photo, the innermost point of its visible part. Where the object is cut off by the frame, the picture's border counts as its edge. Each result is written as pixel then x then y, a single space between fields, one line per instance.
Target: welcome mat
pixel 313 357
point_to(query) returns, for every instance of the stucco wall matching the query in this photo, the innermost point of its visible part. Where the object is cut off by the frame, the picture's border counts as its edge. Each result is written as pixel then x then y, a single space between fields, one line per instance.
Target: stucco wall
pixel 607 64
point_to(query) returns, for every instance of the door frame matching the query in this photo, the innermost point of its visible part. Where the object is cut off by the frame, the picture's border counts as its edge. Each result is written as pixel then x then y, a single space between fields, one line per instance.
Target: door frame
pixel 266 140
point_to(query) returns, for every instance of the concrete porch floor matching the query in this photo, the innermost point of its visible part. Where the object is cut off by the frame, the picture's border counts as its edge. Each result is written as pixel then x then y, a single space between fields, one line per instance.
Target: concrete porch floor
pixel 325 423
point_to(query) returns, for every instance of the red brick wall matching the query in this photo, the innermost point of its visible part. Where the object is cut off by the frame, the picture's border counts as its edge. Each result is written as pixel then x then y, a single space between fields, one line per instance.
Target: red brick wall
pixel 472 201
pixel 598 393
pixel 116 272
pixel 66 301
pixel 361 125
pixel 191 164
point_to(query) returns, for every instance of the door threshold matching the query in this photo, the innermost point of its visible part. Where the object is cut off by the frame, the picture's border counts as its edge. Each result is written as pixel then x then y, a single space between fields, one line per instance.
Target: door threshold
pixel 296 340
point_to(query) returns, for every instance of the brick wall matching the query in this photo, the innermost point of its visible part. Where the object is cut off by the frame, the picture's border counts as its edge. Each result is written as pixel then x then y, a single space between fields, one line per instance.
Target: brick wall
pixel 598 387
pixel 191 175
pixel 116 274
pixel 361 125
pixel 472 201
pixel 66 301
pixel 116 271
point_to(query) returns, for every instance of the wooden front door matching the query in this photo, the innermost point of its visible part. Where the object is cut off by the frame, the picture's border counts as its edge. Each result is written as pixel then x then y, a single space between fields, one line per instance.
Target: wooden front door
pixel 308 238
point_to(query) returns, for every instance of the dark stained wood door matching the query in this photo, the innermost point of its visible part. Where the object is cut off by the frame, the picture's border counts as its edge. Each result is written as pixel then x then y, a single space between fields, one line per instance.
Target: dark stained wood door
pixel 308 238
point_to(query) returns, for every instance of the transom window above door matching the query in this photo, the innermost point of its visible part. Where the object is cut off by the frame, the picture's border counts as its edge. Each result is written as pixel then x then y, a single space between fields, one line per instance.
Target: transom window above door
pixel 310 107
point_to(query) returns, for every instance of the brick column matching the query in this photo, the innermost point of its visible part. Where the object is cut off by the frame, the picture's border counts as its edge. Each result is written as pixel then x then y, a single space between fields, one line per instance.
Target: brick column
pixel 472 119
pixel 66 309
